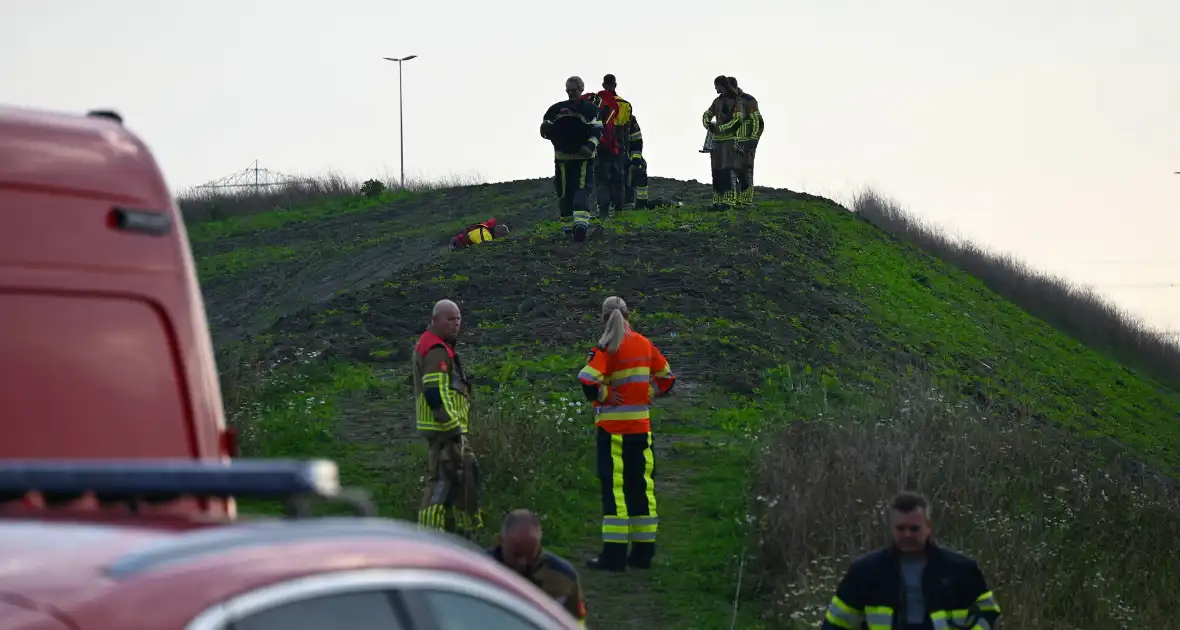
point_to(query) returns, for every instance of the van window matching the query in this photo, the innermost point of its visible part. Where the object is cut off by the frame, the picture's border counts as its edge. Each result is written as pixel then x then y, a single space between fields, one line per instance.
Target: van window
pixel 89 375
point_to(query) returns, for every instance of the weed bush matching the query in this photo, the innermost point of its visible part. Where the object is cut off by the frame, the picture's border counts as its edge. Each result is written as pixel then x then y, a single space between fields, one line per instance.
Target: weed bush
pixel 1077 310
pixel 1068 537
pixel 531 449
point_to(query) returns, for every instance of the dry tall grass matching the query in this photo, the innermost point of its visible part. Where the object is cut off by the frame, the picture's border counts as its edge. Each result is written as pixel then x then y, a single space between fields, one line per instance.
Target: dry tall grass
pixel 1076 310
pixel 1066 539
pixel 211 204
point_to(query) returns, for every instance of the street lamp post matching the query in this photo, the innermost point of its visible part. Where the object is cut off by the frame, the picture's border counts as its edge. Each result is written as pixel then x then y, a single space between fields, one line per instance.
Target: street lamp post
pixel 401 124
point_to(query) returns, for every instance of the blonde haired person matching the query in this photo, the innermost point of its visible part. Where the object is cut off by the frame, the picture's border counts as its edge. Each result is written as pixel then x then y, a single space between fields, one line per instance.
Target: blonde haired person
pixel 622 374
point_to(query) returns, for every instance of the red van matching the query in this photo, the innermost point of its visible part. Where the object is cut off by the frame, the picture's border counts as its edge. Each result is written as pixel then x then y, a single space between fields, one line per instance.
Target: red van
pixel 104 346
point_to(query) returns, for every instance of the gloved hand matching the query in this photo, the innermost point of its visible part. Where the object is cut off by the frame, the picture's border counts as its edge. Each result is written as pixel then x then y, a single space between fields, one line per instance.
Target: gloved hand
pixel 545 125
pixel 587 150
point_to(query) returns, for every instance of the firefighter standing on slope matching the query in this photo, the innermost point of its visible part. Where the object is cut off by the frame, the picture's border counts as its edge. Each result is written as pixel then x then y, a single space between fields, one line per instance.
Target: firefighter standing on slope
pixel 727 109
pixel 618 379
pixel 614 158
pixel 748 135
pixel 912 584
pixel 442 396
pixel 574 129
pixel 630 139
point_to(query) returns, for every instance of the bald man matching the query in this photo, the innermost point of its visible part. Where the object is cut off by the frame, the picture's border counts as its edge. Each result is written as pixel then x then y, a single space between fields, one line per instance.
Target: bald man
pixel 520 550
pixel 442 397
pixel 574 129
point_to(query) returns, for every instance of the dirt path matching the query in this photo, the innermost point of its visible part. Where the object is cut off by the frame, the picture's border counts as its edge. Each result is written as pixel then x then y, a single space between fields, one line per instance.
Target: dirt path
pixel 632 600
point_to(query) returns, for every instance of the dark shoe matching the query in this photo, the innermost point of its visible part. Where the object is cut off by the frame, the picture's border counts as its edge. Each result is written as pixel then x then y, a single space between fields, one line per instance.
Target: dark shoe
pixel 642 554
pixel 579 233
pixel 612 558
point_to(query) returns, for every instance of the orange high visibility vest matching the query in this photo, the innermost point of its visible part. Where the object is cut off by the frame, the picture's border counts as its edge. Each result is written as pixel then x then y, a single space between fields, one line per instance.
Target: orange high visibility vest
pixel 636 372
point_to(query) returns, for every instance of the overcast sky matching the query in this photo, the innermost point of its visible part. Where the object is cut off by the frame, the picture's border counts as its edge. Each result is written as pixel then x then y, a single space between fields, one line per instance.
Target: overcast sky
pixel 1050 129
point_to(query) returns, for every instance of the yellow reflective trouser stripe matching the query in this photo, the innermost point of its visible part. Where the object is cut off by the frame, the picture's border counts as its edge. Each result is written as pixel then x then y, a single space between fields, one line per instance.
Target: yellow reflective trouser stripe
pixel 616 528
pixel 641 192
pixel 843 615
pixel 645 528
pixel 433 516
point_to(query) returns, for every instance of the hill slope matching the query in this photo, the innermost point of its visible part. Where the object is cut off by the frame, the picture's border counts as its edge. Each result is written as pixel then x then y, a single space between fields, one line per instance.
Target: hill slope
pixel 775 319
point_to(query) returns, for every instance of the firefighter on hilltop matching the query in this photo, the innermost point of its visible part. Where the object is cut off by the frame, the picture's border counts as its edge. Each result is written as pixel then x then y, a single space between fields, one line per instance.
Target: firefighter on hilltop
pixel 574 129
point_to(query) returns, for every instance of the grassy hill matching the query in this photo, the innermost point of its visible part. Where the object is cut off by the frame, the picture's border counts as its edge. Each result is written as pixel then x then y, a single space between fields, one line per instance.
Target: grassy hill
pixel 824 364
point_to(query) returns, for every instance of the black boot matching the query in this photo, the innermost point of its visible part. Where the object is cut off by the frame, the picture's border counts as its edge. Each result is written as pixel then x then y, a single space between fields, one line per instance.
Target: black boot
pixel 642 554
pixel 613 558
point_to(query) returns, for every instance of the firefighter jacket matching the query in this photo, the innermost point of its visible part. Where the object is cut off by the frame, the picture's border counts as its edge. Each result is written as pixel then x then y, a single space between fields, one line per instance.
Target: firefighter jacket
pixel 872 594
pixel 557 577
pixel 750 129
pixel 625 136
pixel 634 135
pixel 728 112
pixel 630 137
pixel 621 385
pixel 442 393
pixel 571 126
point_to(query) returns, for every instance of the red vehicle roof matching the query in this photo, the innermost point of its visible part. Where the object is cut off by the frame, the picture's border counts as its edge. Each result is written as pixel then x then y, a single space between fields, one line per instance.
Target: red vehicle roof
pixel 98 571
pixel 99 297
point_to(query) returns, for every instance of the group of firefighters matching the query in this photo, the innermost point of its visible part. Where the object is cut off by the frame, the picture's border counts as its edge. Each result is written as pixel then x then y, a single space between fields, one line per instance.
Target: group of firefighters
pixel 913 583
pixel 599 168
pixel 598 150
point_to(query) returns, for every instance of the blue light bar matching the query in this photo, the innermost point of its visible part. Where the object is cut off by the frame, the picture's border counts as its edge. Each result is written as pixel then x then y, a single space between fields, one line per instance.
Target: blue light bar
pixel 256 478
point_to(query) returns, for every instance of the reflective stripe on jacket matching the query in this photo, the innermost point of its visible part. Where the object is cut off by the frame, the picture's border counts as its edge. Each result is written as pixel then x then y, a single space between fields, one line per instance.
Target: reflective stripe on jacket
pixel 437 368
pixel 634 373
pixel 871 594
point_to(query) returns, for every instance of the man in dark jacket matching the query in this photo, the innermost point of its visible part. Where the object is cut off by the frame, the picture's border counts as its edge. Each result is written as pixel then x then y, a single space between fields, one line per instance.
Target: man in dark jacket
pixel 574 129
pixel 520 549
pixel 913 584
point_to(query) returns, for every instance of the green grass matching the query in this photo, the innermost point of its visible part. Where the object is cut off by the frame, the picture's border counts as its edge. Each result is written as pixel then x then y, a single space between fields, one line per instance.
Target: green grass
pixel 824 365
pixel 965 332
pixel 237 261
pixel 207 231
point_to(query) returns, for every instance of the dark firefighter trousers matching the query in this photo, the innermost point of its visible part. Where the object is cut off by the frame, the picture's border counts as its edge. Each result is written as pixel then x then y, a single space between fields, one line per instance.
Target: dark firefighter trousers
pixel 572 180
pixel 727 164
pixel 745 172
pixel 454 482
pixel 610 174
pixel 626 467
pixel 636 184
